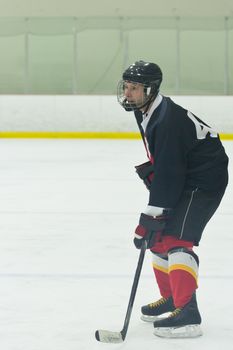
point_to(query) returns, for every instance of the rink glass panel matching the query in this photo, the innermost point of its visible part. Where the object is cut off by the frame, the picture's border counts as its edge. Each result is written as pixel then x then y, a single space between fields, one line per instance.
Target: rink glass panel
pixel 88 55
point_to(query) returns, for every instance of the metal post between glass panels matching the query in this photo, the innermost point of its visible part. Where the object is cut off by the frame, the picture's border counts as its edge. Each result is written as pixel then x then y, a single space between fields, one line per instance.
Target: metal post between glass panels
pixel 226 66
pixel 26 58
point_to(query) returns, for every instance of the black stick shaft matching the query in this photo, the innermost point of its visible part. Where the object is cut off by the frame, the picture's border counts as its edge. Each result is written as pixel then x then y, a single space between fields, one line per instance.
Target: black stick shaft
pixel 134 289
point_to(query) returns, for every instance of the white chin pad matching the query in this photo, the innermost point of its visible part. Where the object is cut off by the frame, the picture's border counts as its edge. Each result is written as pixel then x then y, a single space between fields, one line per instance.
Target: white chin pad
pixel 148 90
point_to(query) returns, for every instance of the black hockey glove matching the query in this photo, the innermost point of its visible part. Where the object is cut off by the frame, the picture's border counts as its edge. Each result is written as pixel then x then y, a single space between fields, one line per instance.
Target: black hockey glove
pixel 150 228
pixel 146 173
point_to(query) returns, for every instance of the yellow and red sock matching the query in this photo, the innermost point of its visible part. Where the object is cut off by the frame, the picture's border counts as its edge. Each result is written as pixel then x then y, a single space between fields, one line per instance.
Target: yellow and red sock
pixel 160 267
pixel 183 274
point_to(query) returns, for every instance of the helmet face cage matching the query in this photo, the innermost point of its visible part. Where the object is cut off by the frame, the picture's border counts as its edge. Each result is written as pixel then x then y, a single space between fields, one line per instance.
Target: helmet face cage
pixel 150 92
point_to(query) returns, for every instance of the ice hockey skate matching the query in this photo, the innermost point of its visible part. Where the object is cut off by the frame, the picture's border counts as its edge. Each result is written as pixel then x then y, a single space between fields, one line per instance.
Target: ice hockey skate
pixel 152 311
pixel 183 322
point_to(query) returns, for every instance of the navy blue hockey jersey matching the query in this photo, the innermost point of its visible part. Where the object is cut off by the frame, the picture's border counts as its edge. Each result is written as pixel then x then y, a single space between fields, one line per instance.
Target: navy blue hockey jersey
pixel 185 152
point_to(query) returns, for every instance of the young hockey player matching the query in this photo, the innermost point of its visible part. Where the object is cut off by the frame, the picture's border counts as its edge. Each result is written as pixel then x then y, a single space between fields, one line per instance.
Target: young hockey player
pixel 186 176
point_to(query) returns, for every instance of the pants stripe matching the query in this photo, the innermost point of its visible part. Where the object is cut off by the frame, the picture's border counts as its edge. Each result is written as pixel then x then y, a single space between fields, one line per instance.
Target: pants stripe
pixel 186 214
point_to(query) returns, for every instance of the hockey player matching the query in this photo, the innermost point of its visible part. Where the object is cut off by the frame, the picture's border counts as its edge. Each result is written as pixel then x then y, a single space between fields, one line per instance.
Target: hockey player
pixel 186 176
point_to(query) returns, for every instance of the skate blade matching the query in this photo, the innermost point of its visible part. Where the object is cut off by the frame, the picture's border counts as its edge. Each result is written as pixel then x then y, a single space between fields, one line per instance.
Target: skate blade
pixel 147 318
pixel 189 331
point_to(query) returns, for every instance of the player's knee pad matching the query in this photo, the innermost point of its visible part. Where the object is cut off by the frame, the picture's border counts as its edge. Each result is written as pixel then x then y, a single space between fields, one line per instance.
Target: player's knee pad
pixel 185 251
pixel 160 261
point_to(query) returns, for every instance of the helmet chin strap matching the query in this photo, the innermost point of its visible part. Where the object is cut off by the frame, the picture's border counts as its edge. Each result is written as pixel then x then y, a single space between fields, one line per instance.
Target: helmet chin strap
pixel 148 103
pixel 129 107
pixel 132 107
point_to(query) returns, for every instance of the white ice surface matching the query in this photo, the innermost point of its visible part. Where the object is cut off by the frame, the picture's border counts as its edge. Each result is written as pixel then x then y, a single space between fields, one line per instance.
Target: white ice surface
pixel 68 209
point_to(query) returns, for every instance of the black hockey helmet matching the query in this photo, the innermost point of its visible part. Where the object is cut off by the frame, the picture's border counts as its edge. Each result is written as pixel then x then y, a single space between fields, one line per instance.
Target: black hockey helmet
pixel 146 73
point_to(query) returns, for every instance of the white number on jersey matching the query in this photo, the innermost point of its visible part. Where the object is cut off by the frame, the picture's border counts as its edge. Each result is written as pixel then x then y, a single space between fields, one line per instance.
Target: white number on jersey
pixel 201 129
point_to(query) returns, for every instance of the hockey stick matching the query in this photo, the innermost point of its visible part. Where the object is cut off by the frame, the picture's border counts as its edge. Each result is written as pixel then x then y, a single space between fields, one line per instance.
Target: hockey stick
pixel 106 336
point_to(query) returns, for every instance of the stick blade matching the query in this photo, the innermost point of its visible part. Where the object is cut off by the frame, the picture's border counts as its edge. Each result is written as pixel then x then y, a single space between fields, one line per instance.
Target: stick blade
pixel 108 336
